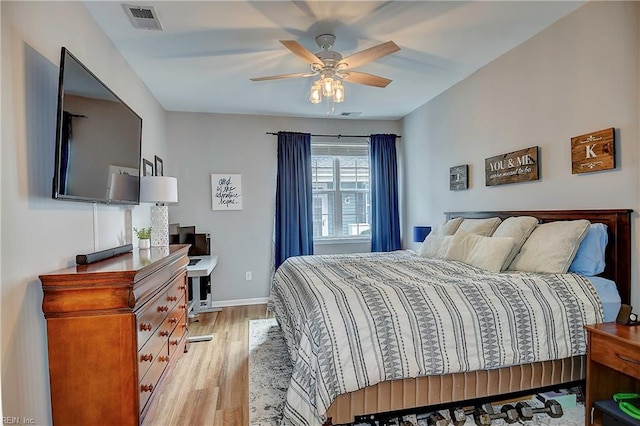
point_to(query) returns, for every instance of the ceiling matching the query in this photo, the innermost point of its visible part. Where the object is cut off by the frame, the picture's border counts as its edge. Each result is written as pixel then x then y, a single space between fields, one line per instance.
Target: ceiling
pixel 206 53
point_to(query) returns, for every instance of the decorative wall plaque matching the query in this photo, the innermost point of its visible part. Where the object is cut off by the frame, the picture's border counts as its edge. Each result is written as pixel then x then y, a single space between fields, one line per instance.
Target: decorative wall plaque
pixel 512 167
pixel 459 177
pixel 226 192
pixel 593 152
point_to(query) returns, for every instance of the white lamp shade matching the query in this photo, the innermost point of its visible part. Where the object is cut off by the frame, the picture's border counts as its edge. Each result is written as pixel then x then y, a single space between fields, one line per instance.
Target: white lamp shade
pixel 158 189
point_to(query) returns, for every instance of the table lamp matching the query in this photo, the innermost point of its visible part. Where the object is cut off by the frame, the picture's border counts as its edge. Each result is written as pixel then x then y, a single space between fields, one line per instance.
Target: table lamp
pixel 420 233
pixel 159 190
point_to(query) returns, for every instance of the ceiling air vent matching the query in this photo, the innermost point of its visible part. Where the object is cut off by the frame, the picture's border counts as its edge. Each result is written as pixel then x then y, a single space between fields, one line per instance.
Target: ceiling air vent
pixel 143 17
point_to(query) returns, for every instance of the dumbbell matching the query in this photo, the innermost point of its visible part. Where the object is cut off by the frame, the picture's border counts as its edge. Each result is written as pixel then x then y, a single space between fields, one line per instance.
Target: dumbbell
pixel 459 415
pixel 485 415
pixel 437 419
pixel 551 407
pixel 481 417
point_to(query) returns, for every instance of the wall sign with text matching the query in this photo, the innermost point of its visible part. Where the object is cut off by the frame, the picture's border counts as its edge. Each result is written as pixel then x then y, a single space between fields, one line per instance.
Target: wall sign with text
pixel 226 192
pixel 512 167
pixel 593 152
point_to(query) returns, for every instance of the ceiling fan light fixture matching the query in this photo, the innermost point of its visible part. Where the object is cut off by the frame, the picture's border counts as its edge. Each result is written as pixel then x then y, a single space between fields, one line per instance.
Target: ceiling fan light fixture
pixel 328 87
pixel 338 96
pixel 315 97
pixel 332 68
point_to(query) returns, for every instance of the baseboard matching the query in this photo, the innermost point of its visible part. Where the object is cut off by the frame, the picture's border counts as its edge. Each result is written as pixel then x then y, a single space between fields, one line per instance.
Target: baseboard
pixel 239 302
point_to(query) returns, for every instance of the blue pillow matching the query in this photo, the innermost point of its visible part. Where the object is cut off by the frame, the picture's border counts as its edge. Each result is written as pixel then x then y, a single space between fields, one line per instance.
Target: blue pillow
pixel 589 259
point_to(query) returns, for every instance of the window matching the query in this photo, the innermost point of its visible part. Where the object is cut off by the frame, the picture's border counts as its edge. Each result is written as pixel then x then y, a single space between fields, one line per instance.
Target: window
pixel 341 195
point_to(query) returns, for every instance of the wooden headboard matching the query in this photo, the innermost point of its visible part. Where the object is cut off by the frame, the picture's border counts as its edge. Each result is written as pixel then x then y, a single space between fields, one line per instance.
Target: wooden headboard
pixel 618 253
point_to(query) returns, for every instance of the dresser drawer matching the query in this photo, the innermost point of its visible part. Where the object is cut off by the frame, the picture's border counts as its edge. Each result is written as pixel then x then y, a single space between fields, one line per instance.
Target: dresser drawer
pixel 150 317
pixel 617 355
pixel 149 382
pixel 178 334
pixel 178 311
pixel 177 291
pixel 151 349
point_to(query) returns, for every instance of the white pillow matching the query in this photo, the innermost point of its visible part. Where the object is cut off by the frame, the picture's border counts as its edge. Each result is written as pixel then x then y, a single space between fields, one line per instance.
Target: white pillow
pixel 551 247
pixel 435 246
pixel 519 228
pixel 448 228
pixel 483 227
pixel 486 253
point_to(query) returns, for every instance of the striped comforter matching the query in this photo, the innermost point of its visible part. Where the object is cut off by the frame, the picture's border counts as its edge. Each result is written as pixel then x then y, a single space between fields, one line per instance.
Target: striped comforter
pixel 351 321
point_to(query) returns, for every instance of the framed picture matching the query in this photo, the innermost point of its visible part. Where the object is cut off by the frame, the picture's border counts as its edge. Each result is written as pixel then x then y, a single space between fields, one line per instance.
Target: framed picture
pixel 459 177
pixel 159 166
pixel 147 167
pixel 226 191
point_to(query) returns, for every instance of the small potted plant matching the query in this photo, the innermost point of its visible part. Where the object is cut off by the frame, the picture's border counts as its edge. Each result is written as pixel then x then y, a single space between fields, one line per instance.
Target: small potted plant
pixel 144 237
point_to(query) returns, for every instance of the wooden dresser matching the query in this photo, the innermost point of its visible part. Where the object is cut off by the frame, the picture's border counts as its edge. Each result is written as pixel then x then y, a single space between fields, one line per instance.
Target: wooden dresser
pixel 115 329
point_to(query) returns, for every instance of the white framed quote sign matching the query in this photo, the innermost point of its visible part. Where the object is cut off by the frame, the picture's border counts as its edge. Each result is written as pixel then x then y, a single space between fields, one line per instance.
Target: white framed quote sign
pixel 226 191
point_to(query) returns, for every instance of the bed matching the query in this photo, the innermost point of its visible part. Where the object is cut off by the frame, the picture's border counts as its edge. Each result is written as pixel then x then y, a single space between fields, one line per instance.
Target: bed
pixel 321 323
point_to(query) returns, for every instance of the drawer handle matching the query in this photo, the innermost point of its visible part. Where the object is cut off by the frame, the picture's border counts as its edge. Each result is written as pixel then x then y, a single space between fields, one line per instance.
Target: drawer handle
pixel 172 298
pixel 148 357
pixel 146 327
pixel 173 320
pixel 163 358
pixel 174 342
pixel 624 358
pixel 146 388
pixel 182 288
pixel 183 306
pixel 163 308
pixel 164 333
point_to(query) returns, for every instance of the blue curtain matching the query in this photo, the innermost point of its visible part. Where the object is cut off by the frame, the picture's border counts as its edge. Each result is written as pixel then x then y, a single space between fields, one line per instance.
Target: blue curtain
pixel 294 214
pixel 385 216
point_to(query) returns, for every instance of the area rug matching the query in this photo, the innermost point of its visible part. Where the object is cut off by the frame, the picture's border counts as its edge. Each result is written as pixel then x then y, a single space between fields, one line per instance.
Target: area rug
pixel 270 370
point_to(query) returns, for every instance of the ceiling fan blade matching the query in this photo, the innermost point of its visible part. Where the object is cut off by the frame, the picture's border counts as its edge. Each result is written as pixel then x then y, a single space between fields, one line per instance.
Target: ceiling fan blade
pixel 277 77
pixel 367 79
pixel 369 55
pixel 301 52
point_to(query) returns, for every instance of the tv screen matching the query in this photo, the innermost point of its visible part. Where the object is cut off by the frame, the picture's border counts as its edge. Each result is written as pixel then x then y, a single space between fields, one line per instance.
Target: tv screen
pixel 98 140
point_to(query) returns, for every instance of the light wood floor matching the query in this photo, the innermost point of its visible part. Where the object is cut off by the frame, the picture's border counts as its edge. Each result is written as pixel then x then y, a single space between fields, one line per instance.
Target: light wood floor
pixel 209 385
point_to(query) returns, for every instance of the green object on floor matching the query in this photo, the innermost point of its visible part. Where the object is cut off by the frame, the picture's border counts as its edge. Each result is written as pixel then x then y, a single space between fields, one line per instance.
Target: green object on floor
pixel 629 404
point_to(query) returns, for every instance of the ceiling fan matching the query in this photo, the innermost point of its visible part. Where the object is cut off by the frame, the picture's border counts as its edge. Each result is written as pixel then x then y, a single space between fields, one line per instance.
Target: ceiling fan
pixel 332 67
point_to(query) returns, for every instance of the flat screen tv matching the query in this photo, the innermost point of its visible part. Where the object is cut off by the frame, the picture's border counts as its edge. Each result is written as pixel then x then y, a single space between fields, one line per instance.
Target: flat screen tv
pixel 98 140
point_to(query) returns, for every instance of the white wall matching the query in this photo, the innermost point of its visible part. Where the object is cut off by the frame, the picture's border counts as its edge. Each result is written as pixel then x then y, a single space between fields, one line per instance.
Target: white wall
pixel 202 144
pixel 39 234
pixel 579 75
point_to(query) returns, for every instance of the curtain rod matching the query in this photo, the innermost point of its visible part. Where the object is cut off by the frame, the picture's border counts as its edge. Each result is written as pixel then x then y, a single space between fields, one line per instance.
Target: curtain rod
pixel 335 136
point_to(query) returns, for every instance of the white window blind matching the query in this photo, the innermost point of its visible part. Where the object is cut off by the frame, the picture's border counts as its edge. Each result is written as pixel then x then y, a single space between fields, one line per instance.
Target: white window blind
pixel 341 195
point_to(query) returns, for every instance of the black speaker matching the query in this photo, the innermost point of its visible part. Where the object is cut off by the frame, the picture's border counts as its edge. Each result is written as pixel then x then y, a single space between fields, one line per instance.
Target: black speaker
pixel 85 259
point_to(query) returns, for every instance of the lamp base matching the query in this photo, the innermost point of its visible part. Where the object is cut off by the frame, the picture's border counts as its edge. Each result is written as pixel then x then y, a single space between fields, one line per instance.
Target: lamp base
pixel 159 226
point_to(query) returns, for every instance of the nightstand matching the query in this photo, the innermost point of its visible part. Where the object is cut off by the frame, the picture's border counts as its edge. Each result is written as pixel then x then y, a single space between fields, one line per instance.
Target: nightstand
pixel 613 364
